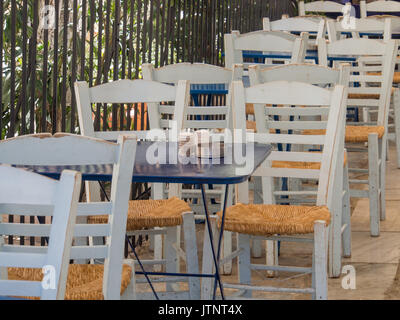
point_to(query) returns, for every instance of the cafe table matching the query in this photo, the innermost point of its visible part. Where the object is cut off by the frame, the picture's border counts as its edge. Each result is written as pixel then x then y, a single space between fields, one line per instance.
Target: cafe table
pixel 228 170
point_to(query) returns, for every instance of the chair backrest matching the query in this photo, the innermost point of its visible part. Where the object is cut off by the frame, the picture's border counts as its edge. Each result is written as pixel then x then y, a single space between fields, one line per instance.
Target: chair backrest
pixel 320 6
pixel 21 190
pixel 199 75
pixel 74 150
pixel 308 73
pixel 371 76
pixel 378 6
pixel 299 99
pixel 265 41
pixel 151 93
pixel 310 24
pixel 364 25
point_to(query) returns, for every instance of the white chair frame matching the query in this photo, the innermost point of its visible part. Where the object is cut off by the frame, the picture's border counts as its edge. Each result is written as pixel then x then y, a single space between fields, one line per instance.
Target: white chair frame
pixel 328 102
pixel 153 94
pixel 199 73
pixel 383 53
pixel 67 149
pixel 340 232
pixel 378 6
pixel 265 41
pixel 309 24
pixel 320 6
pixel 27 191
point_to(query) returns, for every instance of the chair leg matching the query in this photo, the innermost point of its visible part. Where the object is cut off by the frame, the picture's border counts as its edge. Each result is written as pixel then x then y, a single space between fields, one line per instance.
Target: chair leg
pixel 382 174
pixel 320 261
pixel 244 263
pixel 256 245
pixel 346 218
pixel 192 261
pixel 227 238
pixel 373 181
pixel 158 252
pixel 172 265
pixel 271 254
pixel 207 284
pixel 130 292
pixel 227 247
pixel 396 107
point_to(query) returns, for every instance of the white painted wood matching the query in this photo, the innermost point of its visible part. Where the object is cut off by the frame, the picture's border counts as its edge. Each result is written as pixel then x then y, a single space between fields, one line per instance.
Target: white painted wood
pixel 244 262
pixel 378 6
pixel 264 41
pixel 320 6
pixel 33 189
pixel 346 237
pixel 208 267
pixel 364 25
pixel 330 175
pixel 396 107
pixel 62 150
pixel 183 113
pixel 373 181
pixel 310 24
pixel 320 258
pixel 381 57
pixel 192 263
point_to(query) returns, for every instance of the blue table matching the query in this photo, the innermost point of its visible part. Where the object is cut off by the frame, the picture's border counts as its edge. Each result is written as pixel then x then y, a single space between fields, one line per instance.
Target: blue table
pixel 202 173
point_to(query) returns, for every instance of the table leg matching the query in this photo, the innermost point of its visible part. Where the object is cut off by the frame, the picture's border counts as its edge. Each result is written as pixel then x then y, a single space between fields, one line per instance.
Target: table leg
pixel 220 241
pixel 215 258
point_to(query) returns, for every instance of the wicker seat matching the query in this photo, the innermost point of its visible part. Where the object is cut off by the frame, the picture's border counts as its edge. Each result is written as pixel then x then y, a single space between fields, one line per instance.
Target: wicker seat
pixel 250 109
pixel 360 133
pixel 396 77
pixel 354 133
pixel 151 213
pixel 261 219
pixel 301 164
pixel 85 282
pixel 368 95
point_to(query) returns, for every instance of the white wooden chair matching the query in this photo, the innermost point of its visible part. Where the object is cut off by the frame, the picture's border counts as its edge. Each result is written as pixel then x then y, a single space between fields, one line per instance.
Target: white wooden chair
pixel 84 280
pixel 313 25
pixel 381 6
pixel 381 26
pixel 153 94
pixel 21 190
pixel 320 6
pixel 362 94
pixel 277 222
pixel 340 238
pixel 364 25
pixel 212 118
pixel 271 42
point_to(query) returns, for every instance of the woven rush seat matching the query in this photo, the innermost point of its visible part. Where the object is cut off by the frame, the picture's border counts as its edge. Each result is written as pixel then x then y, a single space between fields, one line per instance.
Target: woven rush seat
pixel 353 133
pixel 150 214
pixel 375 96
pixel 396 77
pixel 84 282
pixel 250 109
pixel 301 164
pixel 261 219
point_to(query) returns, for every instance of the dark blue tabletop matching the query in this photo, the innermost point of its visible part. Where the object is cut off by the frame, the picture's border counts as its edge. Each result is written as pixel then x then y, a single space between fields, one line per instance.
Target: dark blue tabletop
pixel 203 172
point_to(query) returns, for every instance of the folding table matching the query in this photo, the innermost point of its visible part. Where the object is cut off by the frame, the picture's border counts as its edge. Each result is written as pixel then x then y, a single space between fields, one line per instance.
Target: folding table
pixel 228 172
